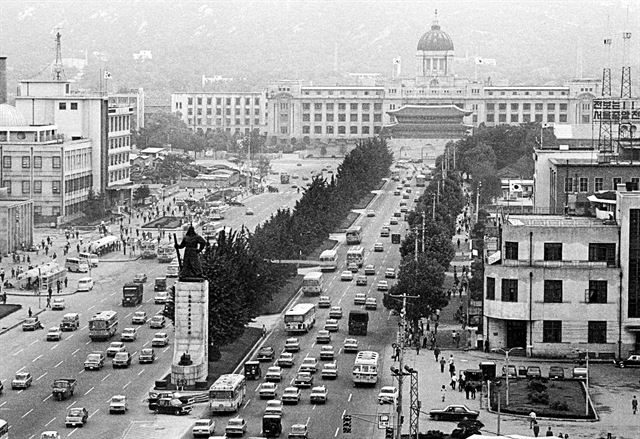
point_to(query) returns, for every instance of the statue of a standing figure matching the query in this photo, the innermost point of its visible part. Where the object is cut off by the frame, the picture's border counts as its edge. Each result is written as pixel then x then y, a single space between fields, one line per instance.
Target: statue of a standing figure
pixel 193 245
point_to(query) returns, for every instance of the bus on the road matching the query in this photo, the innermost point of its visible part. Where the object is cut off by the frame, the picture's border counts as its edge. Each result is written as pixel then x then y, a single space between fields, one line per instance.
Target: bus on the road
pixel 421 180
pixel 312 284
pixel 365 368
pixel 328 260
pixel 103 325
pixel 355 255
pixel 4 429
pixel 354 235
pixel 300 318
pixel 227 393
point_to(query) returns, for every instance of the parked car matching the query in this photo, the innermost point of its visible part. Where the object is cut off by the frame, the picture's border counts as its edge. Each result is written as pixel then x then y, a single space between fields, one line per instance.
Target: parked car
pixel 350 345
pixel 160 339
pixel 331 325
pixel 318 395
pixel 534 372
pixel 371 213
pixel 203 428
pixel 118 404
pixel 556 373
pixel 292 344
pixel 146 355
pixel 286 359
pixel 324 302
pixel 388 395
pixel 22 380
pixel 329 371
pixel 236 427
pixel 115 347
pixel 327 353
pixel 76 416
pixel 54 334
pixel 453 413
pixel 631 361
pixel 268 390
pixel 291 395
pixel 266 353
pixel 58 304
pixel 139 318
pixel 335 312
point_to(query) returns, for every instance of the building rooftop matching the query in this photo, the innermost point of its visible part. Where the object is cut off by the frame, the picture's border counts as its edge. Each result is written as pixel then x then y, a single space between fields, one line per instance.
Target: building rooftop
pixel 555 221
pixel 11 117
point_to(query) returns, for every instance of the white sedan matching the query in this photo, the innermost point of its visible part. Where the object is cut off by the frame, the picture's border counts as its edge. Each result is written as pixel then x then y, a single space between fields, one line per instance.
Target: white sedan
pixel 58 303
pixel 346 276
pixel 388 395
pixel 274 373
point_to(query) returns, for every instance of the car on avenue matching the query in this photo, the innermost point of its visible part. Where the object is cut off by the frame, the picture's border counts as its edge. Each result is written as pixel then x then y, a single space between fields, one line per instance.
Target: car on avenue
pixel 292 344
pixel 359 299
pixel 309 364
pixel 299 431
pixel 76 417
pixel 274 407
pixel 346 276
pixel 22 380
pixel 32 324
pixel 268 390
pixel 236 427
pixel 146 355
pixel 303 379
pixel 327 353
pixel 291 395
pixel 94 361
pixel 85 284
pixel 249 211
pixel 378 247
pixel 453 413
pixel 371 303
pixel 139 318
pixel 160 339
pixel 115 347
pixel 274 374
pixel 335 312
pixel 350 345
pixel 266 353
pixel 630 361
pixel 318 395
pixel 361 280
pixel 353 267
pixel 393 221
pixel 286 359
pixel 369 269
pixel 118 404
pixel 390 273
pixel 157 322
pixel 324 302
pixel 121 359
pixel 160 297
pixel 58 304
pixel 371 213
pixel 129 334
pixel 323 336
pixel 329 371
pixel 54 334
pixel 140 278
pixel 203 428
pixel 382 285
pixel 331 325
pixel 388 395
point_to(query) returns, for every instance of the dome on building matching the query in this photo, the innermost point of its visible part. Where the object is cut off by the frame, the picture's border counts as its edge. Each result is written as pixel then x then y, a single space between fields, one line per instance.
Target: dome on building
pixel 436 39
pixel 11 117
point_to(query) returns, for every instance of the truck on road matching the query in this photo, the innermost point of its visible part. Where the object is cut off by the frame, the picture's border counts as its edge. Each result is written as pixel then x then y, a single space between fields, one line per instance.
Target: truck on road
pixel 63 388
pixel 358 322
pixel 132 294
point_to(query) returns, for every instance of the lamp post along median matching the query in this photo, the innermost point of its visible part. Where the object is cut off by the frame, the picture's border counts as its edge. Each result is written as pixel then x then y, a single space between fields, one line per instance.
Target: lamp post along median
pixel 506 355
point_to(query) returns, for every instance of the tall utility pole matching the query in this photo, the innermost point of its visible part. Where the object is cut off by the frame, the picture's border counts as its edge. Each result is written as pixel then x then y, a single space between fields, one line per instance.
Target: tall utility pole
pixel 478 200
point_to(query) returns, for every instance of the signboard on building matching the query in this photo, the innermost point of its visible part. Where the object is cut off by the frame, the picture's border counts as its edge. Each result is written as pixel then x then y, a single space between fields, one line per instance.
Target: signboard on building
pixel 615 110
pixel 492 259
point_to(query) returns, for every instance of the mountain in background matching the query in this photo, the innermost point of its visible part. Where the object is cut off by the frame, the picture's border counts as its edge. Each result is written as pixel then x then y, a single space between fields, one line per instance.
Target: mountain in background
pixel 256 41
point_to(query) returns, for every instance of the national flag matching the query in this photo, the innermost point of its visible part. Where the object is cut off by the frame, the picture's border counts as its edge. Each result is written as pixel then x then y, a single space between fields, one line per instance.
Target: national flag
pixel 107 74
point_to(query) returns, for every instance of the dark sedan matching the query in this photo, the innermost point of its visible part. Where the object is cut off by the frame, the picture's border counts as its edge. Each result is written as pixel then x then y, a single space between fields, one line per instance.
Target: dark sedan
pixel 266 353
pixel 453 413
pixel 632 361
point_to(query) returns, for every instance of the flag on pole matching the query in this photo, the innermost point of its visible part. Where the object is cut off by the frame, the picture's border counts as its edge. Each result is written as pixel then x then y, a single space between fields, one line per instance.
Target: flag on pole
pixel 107 74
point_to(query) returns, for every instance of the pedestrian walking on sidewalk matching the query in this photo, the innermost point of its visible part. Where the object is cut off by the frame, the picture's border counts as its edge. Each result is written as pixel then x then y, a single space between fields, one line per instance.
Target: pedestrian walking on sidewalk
pixel 436 353
pixel 532 419
pixel 536 429
pixel 443 363
pixel 48 301
pixel 418 347
pixel 454 382
pixel 30 312
pixel 65 282
pixel 634 405
pixel 443 392
pixel 458 242
pixel 264 330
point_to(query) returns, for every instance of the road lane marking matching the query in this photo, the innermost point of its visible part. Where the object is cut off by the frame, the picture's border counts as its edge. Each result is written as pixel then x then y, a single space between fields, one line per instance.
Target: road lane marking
pixel 112 293
pixel 97 410
pixel 141 372
pixel 26 414
pixel 70 336
pixel 75 352
pixel 107 376
pixel 88 391
pixel 88 342
pixel 54 346
pixel 3 403
pixel 61 361
pixel 33 342
pixel 127 315
pixel 166 349
pixel 37 358
pixel 245 406
pixel 47 398
pixel 134 352
pixel 21 369
pixel 82 371
pixel 337 430
pixel 257 387
pixel 41 376
pixel 92 306
pixel 145 343
pixel 350 396
pixel 72 431
pixel 84 327
pixel 103 299
pixel 47 424
pixel 126 385
pixel 16 353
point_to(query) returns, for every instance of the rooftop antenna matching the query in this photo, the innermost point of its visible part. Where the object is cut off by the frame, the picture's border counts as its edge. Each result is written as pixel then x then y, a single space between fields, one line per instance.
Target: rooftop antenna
pixel 605 144
pixel 57 72
pixel 625 84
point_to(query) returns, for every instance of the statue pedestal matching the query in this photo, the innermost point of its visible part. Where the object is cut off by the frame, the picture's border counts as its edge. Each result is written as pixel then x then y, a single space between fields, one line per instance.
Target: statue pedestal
pixel 191 333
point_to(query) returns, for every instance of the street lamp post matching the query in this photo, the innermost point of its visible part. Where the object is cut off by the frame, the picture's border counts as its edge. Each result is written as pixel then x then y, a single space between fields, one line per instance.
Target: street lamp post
pixel 586 390
pixel 506 355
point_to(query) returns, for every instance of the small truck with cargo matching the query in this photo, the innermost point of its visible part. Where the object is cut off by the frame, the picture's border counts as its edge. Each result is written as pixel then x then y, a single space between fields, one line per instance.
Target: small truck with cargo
pixel 63 388
pixel 132 294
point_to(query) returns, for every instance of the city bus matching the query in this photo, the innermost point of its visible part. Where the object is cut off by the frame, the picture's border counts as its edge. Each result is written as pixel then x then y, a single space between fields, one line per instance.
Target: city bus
pixel 103 325
pixel 355 255
pixel 328 260
pixel 284 178
pixel 51 278
pixel 148 249
pixel 421 180
pixel 312 284
pixel 4 429
pixel 354 235
pixel 300 318
pixel 365 368
pixel 227 393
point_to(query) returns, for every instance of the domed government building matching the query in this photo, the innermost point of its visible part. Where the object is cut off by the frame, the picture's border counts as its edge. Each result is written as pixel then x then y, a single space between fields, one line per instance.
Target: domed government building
pixel 434 105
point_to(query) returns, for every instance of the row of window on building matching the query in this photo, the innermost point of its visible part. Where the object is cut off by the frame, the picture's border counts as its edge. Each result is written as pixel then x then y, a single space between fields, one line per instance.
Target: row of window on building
pixel 27 189
pixel 119 142
pixel 119 123
pixel 341 129
pixel 524 118
pixel 352 93
pixel 227 122
pixel 581 184
pixel 515 106
pixel 598 252
pixel 342 106
pixel 552 332
pixel 7 162
pixel 120 174
pixel 67 105
pixel 227 101
pixel 227 112
pixel 553 293
pixel 118 159
pixel 353 117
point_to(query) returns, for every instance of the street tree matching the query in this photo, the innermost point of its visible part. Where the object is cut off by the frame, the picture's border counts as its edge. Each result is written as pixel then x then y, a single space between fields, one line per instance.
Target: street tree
pixel 141 193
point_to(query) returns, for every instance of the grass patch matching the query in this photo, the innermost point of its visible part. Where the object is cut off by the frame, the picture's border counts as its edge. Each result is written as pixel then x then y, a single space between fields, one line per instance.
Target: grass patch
pixel 364 201
pixel 346 223
pixel 232 354
pixel 5 310
pixel 282 297
pixel 566 399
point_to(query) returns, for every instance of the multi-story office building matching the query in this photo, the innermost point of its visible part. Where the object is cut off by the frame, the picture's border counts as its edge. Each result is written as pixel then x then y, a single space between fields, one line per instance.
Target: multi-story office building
pixel 40 164
pixel 133 98
pixel 560 284
pixel 16 223
pixel 231 112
